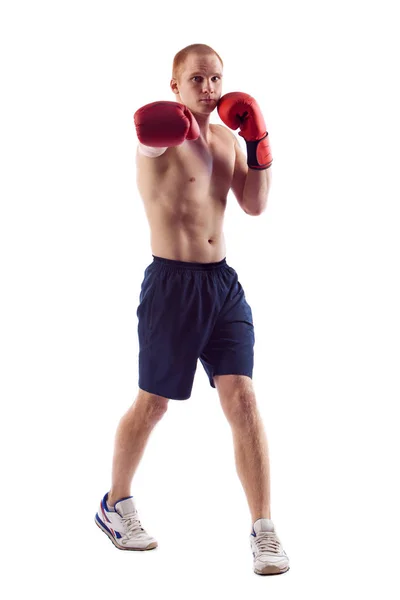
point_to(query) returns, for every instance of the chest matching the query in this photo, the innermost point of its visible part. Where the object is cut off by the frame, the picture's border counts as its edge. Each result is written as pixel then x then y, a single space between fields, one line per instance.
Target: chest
pixel 213 162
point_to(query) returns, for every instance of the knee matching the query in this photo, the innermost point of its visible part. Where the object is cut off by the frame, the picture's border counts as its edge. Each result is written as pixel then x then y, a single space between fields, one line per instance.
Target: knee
pixel 152 406
pixel 241 409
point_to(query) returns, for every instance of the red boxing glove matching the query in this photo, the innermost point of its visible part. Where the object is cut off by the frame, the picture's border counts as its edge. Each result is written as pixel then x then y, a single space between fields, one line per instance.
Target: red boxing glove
pixel 241 110
pixel 164 124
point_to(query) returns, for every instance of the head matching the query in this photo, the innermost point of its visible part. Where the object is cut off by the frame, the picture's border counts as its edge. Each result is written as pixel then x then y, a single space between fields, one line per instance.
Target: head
pixel 196 76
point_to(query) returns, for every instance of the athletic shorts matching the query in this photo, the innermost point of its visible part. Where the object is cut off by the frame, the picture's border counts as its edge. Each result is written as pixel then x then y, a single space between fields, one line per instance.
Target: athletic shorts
pixel 190 311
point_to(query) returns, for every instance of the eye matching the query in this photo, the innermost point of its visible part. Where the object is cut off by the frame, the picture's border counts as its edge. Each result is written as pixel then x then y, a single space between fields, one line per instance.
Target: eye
pixel 197 77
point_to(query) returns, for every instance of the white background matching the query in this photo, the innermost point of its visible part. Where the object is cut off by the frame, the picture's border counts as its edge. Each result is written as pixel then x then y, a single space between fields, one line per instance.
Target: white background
pixel 319 268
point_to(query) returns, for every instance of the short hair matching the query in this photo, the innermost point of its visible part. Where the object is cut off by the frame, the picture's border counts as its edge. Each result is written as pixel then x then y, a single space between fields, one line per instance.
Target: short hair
pixel 180 57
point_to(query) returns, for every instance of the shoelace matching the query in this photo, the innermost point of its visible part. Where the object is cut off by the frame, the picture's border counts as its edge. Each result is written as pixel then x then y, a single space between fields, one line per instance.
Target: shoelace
pixel 267 541
pixel 132 526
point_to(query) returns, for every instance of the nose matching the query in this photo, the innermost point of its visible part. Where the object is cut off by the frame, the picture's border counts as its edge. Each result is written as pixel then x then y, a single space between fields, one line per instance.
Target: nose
pixel 208 87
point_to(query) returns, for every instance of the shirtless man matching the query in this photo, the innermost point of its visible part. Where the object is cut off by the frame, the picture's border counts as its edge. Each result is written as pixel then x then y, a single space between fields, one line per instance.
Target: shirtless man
pixel 192 305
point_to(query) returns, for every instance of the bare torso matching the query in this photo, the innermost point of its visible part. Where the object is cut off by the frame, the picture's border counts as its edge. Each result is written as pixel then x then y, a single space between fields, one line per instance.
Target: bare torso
pixel 185 193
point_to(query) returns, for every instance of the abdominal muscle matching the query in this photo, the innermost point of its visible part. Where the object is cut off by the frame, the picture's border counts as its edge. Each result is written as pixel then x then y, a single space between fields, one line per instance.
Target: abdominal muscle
pixel 185 235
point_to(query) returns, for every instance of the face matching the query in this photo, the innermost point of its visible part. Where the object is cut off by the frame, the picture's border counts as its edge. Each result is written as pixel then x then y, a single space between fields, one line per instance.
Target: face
pixel 200 83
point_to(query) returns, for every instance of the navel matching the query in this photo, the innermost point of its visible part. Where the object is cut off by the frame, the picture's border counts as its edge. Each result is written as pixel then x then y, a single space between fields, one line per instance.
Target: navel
pixel 192 179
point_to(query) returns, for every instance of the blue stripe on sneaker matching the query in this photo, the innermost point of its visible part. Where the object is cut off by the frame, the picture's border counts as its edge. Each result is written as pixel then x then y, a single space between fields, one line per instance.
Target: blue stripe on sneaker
pixel 104 503
pixel 104 526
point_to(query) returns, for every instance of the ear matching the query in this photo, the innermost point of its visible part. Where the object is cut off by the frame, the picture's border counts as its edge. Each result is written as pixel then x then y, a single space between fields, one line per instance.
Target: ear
pixel 174 86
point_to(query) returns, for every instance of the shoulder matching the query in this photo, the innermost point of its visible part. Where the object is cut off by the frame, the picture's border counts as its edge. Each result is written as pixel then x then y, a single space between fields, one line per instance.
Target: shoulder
pixel 230 137
pixel 223 133
pixel 221 130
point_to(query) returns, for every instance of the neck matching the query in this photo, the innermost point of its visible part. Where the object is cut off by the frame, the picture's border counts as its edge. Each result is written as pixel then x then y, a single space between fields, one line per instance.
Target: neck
pixel 204 124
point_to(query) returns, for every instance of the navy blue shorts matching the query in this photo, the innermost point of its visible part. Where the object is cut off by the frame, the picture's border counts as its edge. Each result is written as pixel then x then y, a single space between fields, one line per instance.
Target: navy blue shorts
pixel 190 311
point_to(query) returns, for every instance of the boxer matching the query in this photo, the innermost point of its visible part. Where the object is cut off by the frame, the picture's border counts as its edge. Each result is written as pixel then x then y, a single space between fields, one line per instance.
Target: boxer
pixel 192 306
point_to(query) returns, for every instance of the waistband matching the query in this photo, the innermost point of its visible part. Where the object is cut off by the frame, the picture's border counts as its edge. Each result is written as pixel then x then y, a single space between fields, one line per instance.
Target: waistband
pixel 189 265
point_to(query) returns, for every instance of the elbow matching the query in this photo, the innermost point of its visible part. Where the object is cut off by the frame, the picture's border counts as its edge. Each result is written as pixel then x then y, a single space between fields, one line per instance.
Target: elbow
pixel 255 212
pixel 255 209
pixel 259 212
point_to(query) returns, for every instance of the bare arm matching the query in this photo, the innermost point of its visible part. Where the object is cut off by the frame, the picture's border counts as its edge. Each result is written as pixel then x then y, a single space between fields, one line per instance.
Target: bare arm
pixel 250 186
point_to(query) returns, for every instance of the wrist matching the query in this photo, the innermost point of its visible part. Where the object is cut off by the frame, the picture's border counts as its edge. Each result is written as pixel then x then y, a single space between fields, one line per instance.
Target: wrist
pixel 259 153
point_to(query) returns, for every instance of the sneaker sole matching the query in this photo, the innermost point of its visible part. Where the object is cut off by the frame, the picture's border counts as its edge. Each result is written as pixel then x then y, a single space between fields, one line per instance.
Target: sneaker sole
pixel 151 546
pixel 271 570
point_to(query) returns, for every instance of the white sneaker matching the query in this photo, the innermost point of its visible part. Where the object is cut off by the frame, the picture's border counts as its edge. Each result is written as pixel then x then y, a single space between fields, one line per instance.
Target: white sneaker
pixel 269 556
pixel 122 525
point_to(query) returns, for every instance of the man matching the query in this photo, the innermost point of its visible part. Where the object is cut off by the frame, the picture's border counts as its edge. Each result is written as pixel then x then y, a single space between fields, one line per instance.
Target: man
pixel 192 305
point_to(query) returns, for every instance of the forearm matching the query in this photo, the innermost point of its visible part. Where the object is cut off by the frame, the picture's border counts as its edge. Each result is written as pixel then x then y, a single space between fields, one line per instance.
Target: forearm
pixel 256 190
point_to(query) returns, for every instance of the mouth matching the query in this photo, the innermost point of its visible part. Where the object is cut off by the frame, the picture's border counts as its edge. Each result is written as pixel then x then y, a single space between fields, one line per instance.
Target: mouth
pixel 207 100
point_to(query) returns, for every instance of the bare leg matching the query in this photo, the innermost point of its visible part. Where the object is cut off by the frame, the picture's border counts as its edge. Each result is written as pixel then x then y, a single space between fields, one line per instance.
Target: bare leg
pixel 130 441
pixel 238 401
pixel 252 463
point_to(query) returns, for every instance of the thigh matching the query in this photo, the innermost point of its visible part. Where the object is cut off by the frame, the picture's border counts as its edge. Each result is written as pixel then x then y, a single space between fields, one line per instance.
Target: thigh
pixel 176 315
pixel 230 348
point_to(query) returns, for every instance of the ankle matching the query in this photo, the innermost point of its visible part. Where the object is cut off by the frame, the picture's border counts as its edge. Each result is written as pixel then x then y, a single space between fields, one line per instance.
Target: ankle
pixel 113 498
